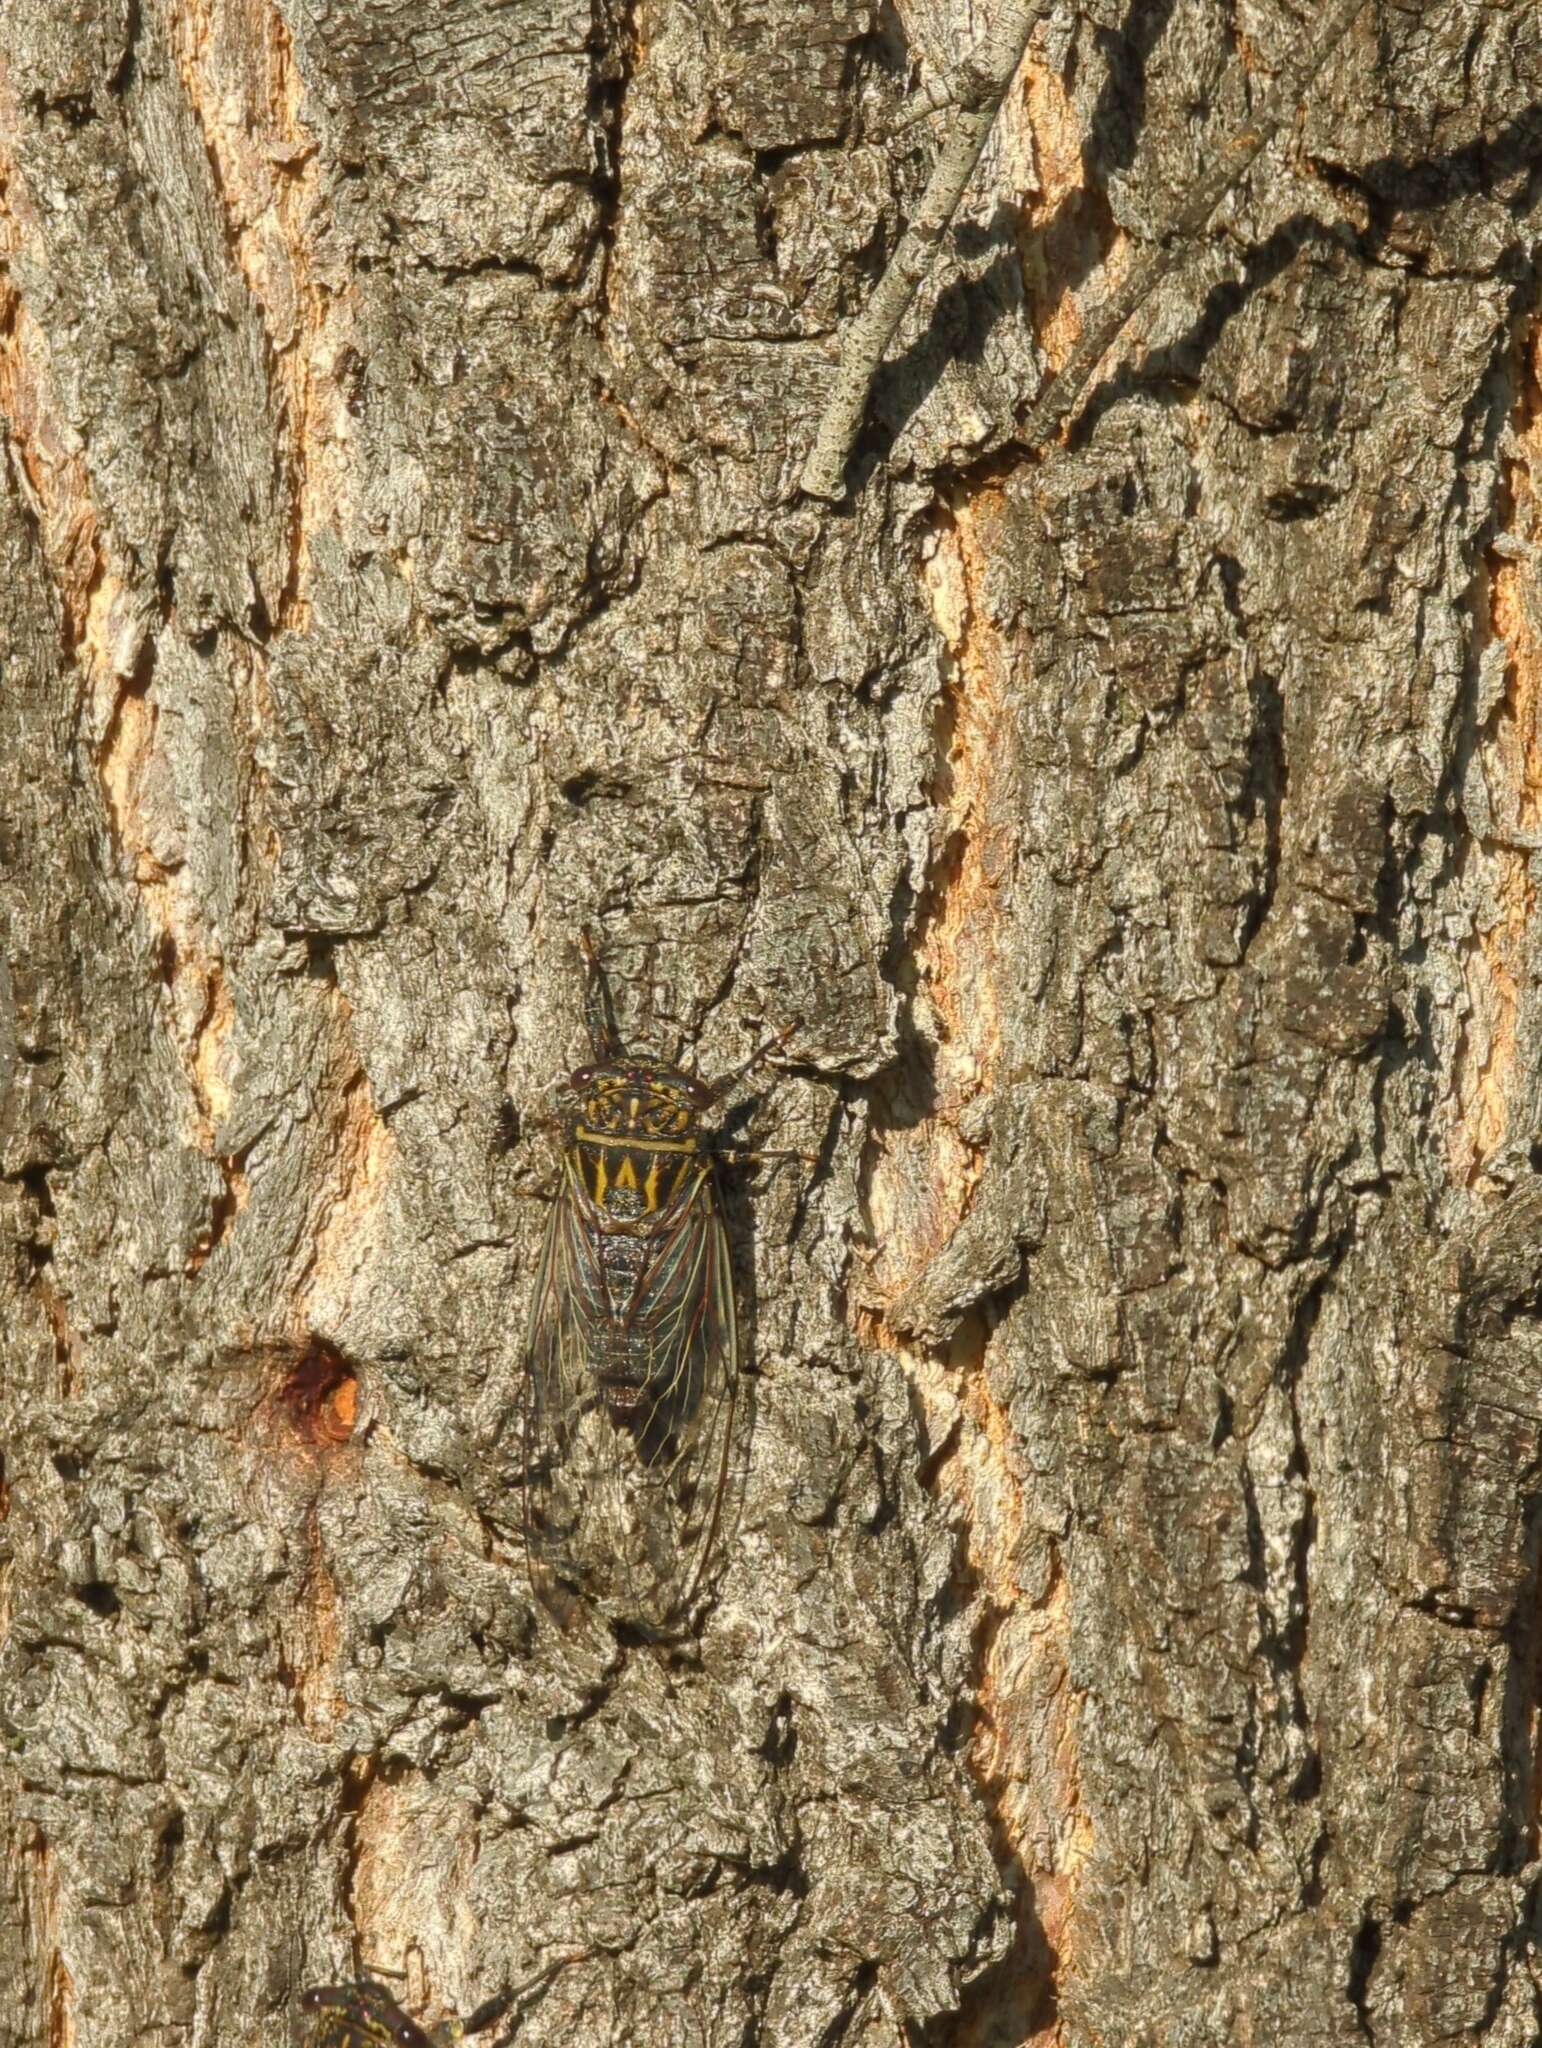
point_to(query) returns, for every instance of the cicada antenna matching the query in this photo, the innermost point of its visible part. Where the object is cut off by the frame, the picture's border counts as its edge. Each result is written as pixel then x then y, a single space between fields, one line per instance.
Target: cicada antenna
pixel 722 1092
pixel 599 1011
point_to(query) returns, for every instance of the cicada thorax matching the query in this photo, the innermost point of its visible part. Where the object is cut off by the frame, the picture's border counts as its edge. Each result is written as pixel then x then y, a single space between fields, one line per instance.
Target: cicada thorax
pixel 637 1139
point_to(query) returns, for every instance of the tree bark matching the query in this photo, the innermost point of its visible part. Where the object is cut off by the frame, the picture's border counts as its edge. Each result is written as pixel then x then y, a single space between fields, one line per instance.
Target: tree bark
pixel 1128 1627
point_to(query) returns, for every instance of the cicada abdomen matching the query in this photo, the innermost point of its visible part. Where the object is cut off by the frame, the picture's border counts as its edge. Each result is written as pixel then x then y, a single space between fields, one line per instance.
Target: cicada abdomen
pixel 633 1345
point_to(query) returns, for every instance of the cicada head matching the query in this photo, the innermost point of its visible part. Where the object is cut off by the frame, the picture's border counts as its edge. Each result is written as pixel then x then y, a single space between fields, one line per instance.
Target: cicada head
pixel 362 2015
pixel 631 1100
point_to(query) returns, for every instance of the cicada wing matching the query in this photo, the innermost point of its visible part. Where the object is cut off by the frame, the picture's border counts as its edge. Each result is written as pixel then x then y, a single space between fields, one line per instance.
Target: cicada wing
pixel 622 1497
pixel 681 1435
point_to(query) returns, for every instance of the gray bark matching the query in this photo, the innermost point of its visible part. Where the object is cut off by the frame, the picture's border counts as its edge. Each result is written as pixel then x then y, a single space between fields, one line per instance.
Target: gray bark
pixel 1128 1629
pixel 981 88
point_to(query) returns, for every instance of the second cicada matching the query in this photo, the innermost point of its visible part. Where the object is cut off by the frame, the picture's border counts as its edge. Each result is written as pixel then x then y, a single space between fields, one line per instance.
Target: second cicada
pixel 633 1343
pixel 365 2015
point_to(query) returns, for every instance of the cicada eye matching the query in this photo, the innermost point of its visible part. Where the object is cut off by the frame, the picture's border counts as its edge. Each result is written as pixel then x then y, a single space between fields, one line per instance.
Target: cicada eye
pixel 582 1078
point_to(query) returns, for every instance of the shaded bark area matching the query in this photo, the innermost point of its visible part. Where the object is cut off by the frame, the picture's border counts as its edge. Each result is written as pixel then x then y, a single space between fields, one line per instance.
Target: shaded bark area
pixel 1128 1622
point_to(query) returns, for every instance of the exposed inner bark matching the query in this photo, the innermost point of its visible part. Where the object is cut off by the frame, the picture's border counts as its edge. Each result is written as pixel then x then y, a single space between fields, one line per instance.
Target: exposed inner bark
pixel 1509 758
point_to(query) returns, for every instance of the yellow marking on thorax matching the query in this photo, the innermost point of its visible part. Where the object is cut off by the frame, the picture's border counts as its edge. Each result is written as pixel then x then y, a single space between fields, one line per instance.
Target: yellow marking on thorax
pixel 588 1137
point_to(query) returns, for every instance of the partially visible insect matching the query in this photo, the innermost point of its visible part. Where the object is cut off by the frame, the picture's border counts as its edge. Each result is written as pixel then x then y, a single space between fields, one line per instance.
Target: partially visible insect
pixel 633 1342
pixel 365 2015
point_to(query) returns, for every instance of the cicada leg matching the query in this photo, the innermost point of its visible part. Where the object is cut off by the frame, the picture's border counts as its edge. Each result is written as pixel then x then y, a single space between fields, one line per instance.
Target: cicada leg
pixel 754 1154
pixel 723 1090
pixel 487 2014
pixel 599 1010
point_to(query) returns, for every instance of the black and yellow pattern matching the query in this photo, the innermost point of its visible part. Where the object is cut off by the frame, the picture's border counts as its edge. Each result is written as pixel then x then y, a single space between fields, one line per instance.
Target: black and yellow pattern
pixel 365 2015
pixel 633 1350
pixel 636 1140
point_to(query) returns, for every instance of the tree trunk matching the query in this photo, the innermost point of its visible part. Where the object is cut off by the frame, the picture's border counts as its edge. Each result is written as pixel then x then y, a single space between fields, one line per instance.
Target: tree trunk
pixel 1128 1624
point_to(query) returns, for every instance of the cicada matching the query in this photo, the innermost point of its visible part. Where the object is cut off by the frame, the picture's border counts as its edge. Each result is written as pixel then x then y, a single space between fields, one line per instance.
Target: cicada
pixel 365 2015
pixel 633 1340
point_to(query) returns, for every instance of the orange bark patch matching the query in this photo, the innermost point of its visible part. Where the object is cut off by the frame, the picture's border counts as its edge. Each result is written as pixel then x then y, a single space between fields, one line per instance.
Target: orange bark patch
pixel 1023 1750
pixel 1025 1757
pixel 238 66
pixel 1498 958
pixel 317 1390
pixel 923 1167
pixel 1069 233
pixel 348 1215
pixel 104 627
pixel 42 1913
pixel 210 1036
pixel 310 1636
pixel 61 2004
pixel 925 1160
pixel 66 1339
pixel 149 832
pixel 414 1853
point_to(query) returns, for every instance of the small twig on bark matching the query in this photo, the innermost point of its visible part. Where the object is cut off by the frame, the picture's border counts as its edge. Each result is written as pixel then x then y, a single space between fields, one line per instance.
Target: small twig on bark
pixel 1065 390
pixel 978 87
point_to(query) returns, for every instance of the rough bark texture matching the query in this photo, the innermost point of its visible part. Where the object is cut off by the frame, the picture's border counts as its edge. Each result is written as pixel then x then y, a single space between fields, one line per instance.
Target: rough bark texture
pixel 1130 1630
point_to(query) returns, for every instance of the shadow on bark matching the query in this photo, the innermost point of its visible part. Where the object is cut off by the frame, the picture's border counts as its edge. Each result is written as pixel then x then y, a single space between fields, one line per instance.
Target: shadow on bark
pixel 968 310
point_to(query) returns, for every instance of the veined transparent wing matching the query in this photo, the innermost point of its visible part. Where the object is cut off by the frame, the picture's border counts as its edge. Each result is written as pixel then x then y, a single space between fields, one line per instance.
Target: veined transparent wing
pixel 629 1400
